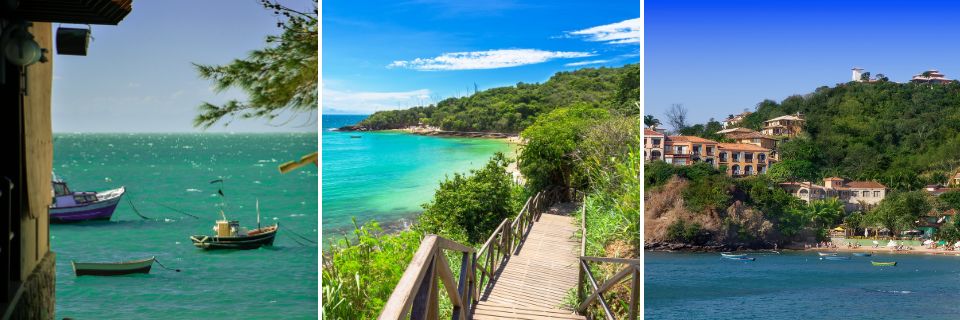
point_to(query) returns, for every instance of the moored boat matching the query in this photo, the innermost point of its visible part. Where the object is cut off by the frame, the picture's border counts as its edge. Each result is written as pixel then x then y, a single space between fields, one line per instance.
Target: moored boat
pixel 826 254
pixel 231 236
pixel 732 255
pixel 835 258
pixel 740 258
pixel 862 254
pixel 884 264
pixel 112 268
pixel 69 206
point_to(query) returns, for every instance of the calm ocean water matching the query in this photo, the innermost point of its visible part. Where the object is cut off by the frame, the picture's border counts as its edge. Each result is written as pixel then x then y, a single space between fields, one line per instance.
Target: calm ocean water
pixel 386 175
pixel 175 170
pixel 800 286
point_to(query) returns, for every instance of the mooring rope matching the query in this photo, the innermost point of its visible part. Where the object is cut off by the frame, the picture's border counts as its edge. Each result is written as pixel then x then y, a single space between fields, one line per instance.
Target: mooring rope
pixel 137 211
pixel 165 267
pixel 174 209
pixel 299 235
pixel 298 242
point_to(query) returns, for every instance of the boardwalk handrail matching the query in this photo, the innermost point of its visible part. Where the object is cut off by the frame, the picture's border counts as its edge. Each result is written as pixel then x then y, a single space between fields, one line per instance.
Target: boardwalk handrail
pixel 631 271
pixel 416 294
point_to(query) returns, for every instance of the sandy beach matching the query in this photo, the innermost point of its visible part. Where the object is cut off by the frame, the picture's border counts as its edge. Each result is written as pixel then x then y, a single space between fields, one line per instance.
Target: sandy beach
pixel 888 250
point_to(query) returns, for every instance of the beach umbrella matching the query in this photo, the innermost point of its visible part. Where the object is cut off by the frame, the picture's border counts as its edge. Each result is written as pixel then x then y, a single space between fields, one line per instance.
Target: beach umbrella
pixel 927 242
pixel 892 243
pixel 876 242
pixel 956 245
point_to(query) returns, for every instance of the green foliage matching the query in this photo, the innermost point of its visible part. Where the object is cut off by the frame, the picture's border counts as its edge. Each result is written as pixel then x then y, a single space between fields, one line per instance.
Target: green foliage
pixel 512 109
pixel 855 221
pixel 708 131
pixel 765 195
pixel 687 233
pixel 900 210
pixel 359 274
pixel 949 200
pixel 708 193
pixel 282 76
pixel 546 158
pixel 468 207
pixel 650 121
pixel 792 170
pixel 884 131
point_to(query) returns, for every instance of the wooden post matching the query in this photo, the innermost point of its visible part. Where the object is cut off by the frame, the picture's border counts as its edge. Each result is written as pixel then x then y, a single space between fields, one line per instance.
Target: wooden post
pixel 635 294
pixel 463 287
pixel 421 301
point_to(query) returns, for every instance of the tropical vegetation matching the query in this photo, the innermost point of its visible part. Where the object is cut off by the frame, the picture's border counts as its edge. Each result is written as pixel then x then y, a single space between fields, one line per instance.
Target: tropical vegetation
pixel 514 108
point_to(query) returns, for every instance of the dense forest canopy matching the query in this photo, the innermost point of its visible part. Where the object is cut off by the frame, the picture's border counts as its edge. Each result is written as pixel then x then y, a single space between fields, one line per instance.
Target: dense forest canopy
pixel 904 135
pixel 511 109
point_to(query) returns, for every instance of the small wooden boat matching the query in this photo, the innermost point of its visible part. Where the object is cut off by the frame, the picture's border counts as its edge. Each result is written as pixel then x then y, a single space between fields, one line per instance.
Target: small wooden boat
pixel 234 237
pixel 356 137
pixel 834 258
pixel 740 258
pixel 112 268
pixel 732 255
pixel 884 264
pixel 826 254
pixel 75 206
pixel 862 254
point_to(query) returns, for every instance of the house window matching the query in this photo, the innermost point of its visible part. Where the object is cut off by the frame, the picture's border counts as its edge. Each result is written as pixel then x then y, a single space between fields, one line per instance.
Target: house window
pixel 748 157
pixel 866 193
pixel 656 142
pixel 876 194
pixel 723 157
pixel 762 157
pixel 736 157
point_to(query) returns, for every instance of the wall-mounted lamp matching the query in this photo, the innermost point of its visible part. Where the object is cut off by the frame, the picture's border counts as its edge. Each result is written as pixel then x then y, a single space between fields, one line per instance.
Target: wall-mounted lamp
pixel 72 41
pixel 19 47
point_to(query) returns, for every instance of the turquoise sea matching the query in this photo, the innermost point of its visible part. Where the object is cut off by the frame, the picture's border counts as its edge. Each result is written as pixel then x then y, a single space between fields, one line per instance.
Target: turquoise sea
pixel 387 176
pixel 174 170
pixel 800 286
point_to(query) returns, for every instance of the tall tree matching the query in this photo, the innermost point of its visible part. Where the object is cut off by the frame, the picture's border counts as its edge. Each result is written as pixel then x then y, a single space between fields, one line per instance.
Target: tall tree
pixel 677 116
pixel 282 76
pixel 650 121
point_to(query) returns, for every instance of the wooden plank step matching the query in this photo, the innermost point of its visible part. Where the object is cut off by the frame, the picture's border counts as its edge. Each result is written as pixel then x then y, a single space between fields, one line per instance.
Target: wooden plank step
pixel 491 310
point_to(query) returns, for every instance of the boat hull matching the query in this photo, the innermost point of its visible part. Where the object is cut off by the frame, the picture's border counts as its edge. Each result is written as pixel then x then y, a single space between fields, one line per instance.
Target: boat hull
pixel 834 258
pixel 112 269
pixel 862 254
pixel 732 255
pixel 236 243
pixel 884 264
pixel 100 210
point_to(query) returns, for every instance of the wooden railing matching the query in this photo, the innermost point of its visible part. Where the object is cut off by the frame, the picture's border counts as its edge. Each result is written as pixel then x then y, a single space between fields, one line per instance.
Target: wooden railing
pixel 630 272
pixel 416 294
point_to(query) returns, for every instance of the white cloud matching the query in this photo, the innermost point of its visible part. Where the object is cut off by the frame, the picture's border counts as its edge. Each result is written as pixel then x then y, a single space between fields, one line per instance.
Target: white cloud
pixel 369 102
pixel 583 63
pixel 626 31
pixel 491 59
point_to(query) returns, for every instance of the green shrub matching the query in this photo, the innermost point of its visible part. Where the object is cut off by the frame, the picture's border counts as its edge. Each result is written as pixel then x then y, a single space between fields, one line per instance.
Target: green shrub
pixel 468 207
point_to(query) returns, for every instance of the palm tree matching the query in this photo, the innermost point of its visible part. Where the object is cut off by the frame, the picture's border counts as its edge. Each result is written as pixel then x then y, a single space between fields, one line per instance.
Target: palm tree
pixel 650 121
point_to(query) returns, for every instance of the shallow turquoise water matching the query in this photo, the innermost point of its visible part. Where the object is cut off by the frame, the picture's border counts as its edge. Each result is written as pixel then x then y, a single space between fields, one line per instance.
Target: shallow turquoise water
pixel 387 176
pixel 800 286
pixel 175 169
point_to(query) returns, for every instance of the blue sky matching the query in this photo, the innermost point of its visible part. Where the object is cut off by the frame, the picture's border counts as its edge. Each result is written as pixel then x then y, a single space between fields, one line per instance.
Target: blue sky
pixel 382 55
pixel 718 58
pixel 138 77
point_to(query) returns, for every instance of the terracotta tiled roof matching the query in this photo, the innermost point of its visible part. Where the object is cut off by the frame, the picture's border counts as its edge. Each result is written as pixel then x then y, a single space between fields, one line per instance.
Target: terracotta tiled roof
pixel 787 117
pixel 748 135
pixel 742 147
pixel 732 130
pixel 833 178
pixel 865 185
pixel 689 139
pixel 648 132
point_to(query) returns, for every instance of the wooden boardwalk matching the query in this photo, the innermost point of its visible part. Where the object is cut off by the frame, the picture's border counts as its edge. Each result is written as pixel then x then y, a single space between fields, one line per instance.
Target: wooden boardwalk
pixel 534 282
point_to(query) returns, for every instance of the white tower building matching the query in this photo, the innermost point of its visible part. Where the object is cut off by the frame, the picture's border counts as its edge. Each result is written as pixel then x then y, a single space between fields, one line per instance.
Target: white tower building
pixel 856 74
